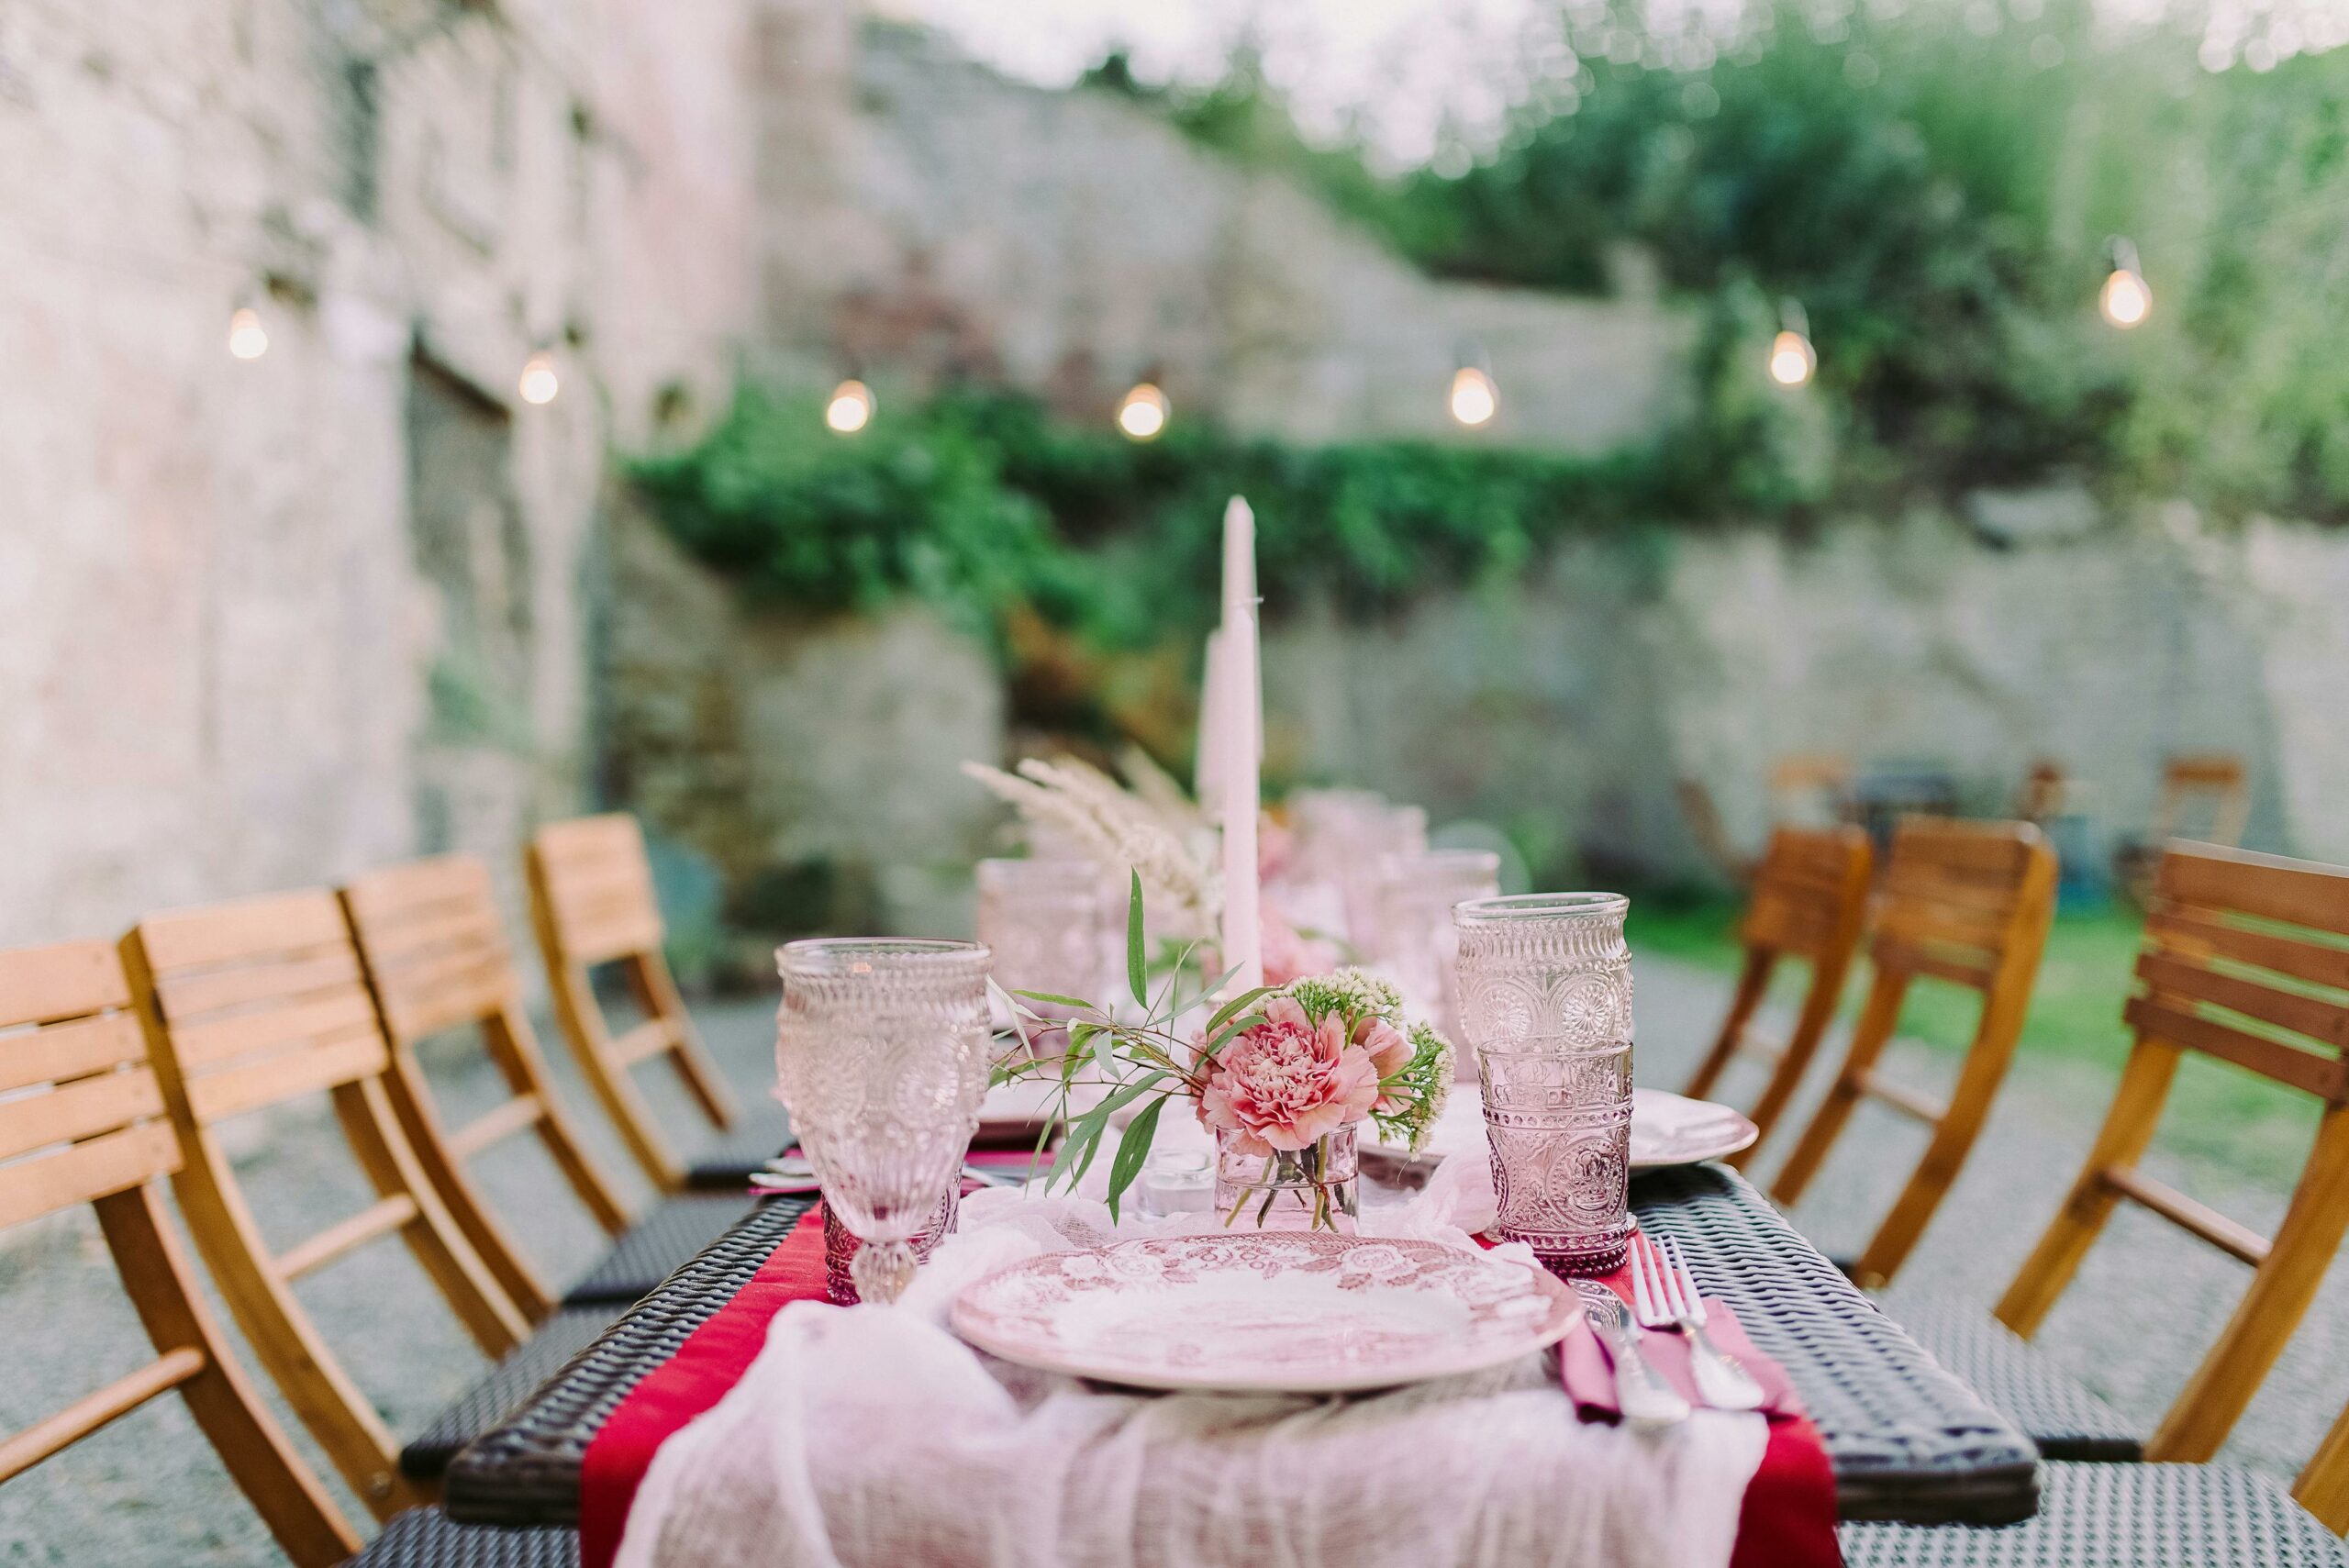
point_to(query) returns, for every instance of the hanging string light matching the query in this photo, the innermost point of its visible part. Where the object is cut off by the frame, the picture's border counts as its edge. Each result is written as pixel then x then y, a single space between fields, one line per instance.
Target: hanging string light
pixel 850 408
pixel 1792 359
pixel 1475 399
pixel 540 383
pixel 2124 299
pixel 248 339
pixel 1143 413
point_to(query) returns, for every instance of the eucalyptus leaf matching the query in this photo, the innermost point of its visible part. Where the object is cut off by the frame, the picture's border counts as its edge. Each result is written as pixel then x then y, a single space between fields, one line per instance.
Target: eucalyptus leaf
pixel 1057 1001
pixel 1132 1150
pixel 1136 976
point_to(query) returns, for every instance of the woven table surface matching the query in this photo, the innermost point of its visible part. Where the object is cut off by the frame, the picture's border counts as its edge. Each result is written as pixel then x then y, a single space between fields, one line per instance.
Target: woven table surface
pixel 1908 1440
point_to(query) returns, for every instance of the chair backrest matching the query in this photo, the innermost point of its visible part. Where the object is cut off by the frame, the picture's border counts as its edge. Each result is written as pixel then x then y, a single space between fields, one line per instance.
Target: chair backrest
pixel 1810 904
pixel 2045 792
pixel 434 947
pixel 592 905
pixel 2245 959
pixel 1968 903
pixel 1812 787
pixel 250 1004
pixel 2215 784
pixel 82 1121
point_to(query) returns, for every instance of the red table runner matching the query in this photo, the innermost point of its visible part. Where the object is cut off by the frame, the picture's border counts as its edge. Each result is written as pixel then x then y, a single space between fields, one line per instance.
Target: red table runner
pixel 1787 1520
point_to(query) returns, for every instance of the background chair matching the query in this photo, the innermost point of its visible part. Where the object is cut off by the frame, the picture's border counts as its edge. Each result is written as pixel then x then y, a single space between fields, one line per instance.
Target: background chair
pixel 1810 904
pixel 1963 903
pixel 250 1004
pixel 592 905
pixel 2204 796
pixel 2246 959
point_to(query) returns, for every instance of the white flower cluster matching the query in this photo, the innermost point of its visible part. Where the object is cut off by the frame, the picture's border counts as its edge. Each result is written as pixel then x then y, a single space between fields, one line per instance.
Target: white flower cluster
pixel 1356 993
pixel 1117 831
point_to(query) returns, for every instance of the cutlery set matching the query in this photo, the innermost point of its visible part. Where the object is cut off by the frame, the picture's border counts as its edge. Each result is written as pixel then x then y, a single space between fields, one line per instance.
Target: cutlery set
pixel 1665 1299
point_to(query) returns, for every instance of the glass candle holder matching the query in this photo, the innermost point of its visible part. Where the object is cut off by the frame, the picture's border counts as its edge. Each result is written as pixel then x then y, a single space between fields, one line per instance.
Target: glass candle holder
pixel 1416 942
pixel 1545 999
pixel 881 1057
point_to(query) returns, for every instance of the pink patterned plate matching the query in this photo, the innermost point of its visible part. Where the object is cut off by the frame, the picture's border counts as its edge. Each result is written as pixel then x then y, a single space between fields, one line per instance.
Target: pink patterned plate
pixel 1288 1312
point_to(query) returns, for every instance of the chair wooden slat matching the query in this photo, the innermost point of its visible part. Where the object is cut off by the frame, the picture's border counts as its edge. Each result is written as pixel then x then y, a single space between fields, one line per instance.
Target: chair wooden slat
pixel 2273 1025
pixel 85 1074
pixel 1963 903
pixel 39 985
pixel 378 1218
pixel 95 1409
pixel 185 995
pixel 277 923
pixel 69 1050
pixel 85 1172
pixel 325 1015
pixel 80 1109
pixel 2177 929
pixel 435 951
pixel 592 903
pixel 273 1080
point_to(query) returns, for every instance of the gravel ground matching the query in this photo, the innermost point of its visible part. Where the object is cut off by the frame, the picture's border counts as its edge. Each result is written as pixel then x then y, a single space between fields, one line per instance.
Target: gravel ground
pixel 147 1491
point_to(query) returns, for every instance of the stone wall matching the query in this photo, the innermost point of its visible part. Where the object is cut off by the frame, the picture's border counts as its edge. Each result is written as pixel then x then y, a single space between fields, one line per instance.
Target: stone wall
pixel 928 217
pixel 272 620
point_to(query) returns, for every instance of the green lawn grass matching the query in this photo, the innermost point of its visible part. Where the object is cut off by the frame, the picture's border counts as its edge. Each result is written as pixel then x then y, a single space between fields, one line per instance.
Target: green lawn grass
pixel 2218 1114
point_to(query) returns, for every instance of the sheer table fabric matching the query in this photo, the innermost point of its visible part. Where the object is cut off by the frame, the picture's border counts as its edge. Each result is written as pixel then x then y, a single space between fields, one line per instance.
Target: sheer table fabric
pixel 874 1437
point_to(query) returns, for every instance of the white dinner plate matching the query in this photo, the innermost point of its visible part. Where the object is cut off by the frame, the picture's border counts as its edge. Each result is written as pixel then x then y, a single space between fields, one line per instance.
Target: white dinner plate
pixel 1286 1312
pixel 1667 1130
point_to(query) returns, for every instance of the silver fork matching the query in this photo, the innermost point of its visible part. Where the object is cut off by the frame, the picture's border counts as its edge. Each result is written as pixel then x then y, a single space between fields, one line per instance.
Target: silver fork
pixel 1664 1296
pixel 1640 1393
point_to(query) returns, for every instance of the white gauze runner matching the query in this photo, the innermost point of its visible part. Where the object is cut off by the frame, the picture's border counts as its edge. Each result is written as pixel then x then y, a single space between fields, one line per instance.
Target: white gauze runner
pixel 874 1438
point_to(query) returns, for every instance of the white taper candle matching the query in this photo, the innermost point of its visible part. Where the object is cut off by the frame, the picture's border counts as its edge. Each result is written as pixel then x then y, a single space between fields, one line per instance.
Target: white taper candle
pixel 1238 750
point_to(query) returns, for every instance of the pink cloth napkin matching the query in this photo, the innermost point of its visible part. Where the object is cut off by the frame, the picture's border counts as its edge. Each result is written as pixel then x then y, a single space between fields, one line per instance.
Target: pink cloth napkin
pixel 1588 1370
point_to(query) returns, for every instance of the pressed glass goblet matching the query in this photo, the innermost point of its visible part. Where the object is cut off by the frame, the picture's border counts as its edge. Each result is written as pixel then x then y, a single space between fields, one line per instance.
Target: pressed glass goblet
pixel 1044 920
pixel 881 1057
pixel 1416 944
pixel 1545 998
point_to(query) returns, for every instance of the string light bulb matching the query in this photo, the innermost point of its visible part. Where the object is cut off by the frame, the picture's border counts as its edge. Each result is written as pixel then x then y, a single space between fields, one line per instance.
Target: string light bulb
pixel 248 339
pixel 850 407
pixel 1143 413
pixel 2124 299
pixel 1475 399
pixel 540 383
pixel 1792 360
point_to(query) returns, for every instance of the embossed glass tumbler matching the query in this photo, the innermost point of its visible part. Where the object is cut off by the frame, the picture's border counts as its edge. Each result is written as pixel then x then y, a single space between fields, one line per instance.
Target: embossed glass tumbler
pixel 1417 941
pixel 881 1057
pixel 1545 998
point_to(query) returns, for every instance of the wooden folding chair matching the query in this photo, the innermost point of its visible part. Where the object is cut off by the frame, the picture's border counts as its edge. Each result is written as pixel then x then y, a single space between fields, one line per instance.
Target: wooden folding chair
pixel 1809 903
pixel 2205 796
pixel 435 953
pixel 82 1122
pixel 1968 903
pixel 592 904
pixel 250 1004
pixel 2245 959
pixel 1811 789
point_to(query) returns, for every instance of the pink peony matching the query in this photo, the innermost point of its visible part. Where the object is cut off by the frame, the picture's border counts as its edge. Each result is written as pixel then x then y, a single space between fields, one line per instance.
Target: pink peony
pixel 1286 1084
pixel 1390 1051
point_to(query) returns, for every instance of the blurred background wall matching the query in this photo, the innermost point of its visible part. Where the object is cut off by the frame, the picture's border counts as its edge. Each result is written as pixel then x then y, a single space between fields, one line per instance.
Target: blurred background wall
pixel 271 620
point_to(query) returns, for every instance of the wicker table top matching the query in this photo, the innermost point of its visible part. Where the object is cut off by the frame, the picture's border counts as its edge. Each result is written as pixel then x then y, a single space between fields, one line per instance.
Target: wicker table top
pixel 1909 1441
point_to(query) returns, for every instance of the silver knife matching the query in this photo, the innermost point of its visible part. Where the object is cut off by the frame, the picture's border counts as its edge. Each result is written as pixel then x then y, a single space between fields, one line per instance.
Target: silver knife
pixel 1640 1394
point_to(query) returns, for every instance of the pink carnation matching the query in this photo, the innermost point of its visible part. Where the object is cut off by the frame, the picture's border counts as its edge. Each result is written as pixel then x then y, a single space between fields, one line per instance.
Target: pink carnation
pixel 1390 1051
pixel 1287 1082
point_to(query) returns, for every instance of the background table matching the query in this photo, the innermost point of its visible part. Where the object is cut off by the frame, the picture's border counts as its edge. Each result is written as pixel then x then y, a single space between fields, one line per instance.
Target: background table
pixel 1909 1441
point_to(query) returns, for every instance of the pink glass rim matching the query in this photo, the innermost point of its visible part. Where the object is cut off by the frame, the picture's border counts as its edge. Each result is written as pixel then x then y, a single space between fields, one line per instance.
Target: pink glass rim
pixel 1071 875
pixel 1518 907
pixel 829 957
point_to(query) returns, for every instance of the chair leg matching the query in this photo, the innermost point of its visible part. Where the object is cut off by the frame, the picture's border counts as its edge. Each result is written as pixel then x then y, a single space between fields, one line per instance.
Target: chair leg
pixel 656 992
pixel 2128 1129
pixel 1753 982
pixel 2214 1398
pixel 1868 1038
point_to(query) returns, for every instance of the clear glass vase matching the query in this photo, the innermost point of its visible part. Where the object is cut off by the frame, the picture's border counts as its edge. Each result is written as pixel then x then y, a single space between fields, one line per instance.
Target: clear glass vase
pixel 1545 999
pixel 1318 1187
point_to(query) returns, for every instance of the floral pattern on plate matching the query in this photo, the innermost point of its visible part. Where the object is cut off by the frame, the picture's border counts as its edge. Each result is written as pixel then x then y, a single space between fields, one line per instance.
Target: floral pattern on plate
pixel 1294 1312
